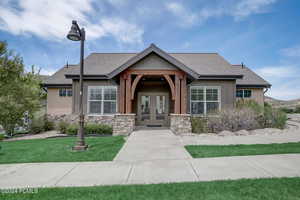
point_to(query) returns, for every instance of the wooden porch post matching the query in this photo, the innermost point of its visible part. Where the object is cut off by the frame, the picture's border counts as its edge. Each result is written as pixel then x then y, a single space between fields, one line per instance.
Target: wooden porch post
pixel 183 94
pixel 177 95
pixel 122 95
pixel 128 94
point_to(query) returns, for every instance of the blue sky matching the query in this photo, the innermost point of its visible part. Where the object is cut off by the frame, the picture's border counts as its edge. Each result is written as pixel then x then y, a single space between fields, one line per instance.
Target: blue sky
pixel 264 34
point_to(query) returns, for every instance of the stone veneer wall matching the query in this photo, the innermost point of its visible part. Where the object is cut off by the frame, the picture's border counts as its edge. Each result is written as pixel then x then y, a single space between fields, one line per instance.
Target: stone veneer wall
pixel 123 124
pixel 180 123
pixel 102 119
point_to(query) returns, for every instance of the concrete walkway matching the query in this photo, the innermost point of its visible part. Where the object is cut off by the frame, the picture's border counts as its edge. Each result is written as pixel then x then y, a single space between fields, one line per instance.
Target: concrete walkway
pixel 144 172
pixel 149 157
pixel 152 145
pixel 44 135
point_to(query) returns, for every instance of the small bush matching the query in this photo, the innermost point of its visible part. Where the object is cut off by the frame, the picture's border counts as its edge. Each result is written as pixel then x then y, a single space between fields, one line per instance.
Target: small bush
pixel 234 120
pixel 274 118
pixel 251 104
pixel 199 125
pixel 72 129
pixel 36 125
pixel 62 127
pixel 48 125
pixel 297 110
pixel 92 128
pixel 288 110
pixel 1 137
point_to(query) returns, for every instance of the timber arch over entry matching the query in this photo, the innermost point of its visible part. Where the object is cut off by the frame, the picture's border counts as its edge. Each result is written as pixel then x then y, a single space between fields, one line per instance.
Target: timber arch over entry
pixel 128 86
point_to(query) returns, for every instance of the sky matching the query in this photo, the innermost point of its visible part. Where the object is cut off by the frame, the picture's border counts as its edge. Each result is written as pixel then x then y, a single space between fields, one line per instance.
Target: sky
pixel 263 34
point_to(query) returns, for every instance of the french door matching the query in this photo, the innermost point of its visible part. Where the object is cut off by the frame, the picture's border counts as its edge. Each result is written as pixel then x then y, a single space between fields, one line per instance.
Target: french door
pixel 153 109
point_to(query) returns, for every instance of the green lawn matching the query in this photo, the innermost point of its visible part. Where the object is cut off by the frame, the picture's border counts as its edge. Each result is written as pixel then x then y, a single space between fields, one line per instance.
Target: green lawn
pixel 246 189
pixel 203 151
pixel 59 150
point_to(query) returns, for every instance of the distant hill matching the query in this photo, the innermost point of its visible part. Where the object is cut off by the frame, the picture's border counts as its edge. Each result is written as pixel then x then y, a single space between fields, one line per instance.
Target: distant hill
pixel 282 103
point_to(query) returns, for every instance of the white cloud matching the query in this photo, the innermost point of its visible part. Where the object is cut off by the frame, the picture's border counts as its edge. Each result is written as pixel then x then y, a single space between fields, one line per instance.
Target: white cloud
pixel 245 8
pixel 291 52
pixel 47 71
pixel 279 72
pixel 285 81
pixel 238 9
pixel 52 19
pixel 187 17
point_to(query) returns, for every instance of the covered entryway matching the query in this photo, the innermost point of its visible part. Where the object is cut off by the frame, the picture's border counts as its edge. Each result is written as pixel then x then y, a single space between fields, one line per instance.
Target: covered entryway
pixel 152 95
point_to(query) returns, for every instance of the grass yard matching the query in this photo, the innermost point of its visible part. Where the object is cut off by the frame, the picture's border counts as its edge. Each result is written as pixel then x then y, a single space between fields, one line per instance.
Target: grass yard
pixel 59 150
pixel 246 189
pixel 204 151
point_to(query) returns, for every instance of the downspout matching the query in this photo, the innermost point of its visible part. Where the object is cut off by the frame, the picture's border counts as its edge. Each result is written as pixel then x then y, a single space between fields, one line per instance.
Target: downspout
pixel 266 90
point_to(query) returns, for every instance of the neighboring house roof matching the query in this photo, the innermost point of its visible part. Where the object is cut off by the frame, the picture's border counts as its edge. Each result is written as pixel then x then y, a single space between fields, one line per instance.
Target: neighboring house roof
pixel 250 79
pixel 44 78
pixel 58 78
pixel 197 65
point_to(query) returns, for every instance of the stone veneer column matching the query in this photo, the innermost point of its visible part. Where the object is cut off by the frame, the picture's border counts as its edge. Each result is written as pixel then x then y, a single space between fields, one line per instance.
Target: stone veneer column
pixel 123 124
pixel 180 123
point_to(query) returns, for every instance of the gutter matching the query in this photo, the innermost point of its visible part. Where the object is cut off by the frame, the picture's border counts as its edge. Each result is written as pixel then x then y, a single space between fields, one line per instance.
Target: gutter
pixel 87 77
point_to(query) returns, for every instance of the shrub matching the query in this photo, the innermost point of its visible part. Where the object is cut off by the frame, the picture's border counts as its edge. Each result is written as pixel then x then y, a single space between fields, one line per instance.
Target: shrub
pixel 36 125
pixel 199 125
pixel 297 110
pixel 288 110
pixel 62 127
pixel 92 128
pixel 48 125
pixel 72 129
pixel 274 118
pixel 89 128
pixel 1 138
pixel 234 120
pixel 251 104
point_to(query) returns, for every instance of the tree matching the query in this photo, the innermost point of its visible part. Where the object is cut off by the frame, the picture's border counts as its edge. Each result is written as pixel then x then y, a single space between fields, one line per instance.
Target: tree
pixel 19 90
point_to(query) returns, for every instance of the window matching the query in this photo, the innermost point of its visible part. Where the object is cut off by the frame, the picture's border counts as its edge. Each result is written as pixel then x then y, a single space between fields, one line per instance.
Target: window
pixel 243 93
pixel 102 99
pixel 205 99
pixel 64 92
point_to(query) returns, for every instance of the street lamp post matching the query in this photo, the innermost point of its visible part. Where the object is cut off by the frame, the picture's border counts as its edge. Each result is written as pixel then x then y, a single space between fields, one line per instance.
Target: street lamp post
pixel 77 34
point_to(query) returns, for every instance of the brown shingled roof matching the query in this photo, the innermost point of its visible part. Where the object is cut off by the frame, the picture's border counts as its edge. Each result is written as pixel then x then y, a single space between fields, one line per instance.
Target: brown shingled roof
pixel 198 65
pixel 250 78
pixel 58 78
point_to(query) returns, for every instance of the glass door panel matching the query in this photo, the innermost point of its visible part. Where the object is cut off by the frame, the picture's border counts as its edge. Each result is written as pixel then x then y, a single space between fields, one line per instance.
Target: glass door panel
pixel 160 107
pixel 145 108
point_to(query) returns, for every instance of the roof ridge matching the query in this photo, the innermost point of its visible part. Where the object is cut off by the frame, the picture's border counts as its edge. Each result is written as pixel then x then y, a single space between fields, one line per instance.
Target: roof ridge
pixel 167 52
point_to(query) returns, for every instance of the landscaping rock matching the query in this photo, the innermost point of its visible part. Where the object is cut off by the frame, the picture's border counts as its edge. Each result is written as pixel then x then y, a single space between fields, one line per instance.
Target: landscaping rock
pixel 225 133
pixel 242 132
pixel 272 130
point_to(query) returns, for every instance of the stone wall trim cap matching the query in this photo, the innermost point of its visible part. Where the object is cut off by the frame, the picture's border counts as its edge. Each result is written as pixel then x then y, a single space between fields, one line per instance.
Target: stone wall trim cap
pixel 126 114
pixel 180 115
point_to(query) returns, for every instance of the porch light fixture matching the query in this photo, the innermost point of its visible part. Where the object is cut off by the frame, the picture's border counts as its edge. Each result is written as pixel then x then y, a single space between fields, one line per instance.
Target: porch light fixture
pixel 77 34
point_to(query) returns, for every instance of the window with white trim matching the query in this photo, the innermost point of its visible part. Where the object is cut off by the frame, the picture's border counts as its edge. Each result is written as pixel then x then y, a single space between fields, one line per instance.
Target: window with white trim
pixel 243 93
pixel 102 100
pixel 205 99
pixel 65 92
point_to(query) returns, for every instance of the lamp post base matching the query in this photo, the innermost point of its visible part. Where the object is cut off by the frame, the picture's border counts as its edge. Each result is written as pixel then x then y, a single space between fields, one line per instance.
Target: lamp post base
pixel 79 147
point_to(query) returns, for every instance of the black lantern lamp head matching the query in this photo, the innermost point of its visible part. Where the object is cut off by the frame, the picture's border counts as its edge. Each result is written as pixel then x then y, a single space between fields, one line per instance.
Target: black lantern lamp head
pixel 74 33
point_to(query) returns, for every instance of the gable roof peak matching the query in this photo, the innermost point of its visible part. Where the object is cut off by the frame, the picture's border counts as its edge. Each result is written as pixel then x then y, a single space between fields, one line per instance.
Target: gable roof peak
pixel 153 48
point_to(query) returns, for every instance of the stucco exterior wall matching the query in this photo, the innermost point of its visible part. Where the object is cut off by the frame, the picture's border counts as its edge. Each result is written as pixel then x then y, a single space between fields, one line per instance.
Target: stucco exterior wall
pixel 228 91
pixel 257 95
pixel 57 105
pixel 86 83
